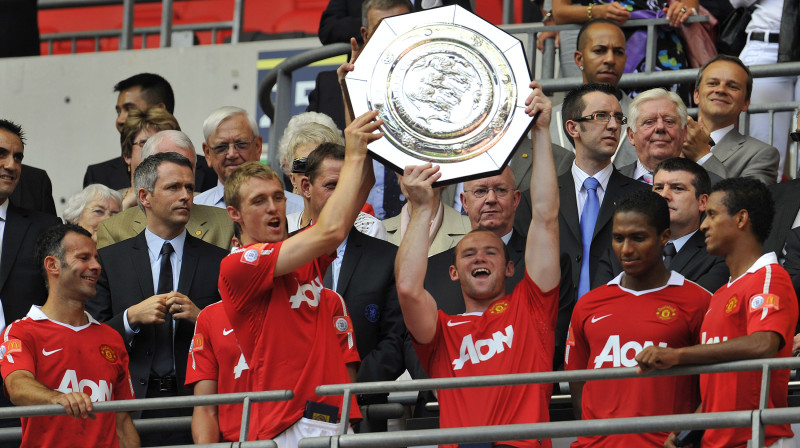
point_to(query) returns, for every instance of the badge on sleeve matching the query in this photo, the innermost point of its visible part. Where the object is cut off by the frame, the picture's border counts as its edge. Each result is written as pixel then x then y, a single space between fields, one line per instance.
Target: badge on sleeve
pixel 342 324
pixel 764 302
pixel 197 343
pixel 250 256
pixel 9 347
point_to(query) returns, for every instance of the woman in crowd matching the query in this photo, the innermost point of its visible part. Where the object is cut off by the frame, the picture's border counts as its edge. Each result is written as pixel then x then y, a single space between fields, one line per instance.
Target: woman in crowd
pixel 93 205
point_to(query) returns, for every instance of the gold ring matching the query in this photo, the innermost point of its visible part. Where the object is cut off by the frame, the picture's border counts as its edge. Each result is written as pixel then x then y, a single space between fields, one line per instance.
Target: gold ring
pixel 683 9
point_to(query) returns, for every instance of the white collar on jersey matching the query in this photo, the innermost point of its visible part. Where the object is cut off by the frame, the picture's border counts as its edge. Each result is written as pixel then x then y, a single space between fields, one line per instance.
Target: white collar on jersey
pixel 675 279
pixel 36 313
pixel 763 261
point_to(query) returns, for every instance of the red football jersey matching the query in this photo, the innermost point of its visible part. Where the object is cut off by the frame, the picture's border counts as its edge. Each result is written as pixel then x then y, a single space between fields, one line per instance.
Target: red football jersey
pixel 294 333
pixel 610 325
pixel 762 299
pixel 215 355
pixel 516 334
pixel 90 359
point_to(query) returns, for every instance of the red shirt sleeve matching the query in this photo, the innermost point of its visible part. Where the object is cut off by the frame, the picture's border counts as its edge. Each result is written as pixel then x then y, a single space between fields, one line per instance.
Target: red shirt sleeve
pixel 576 355
pixel 17 351
pixel 342 325
pixel 775 310
pixel 201 364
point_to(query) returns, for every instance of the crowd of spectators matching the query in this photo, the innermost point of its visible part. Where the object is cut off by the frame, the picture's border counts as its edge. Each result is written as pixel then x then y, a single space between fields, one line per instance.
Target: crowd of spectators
pixel 623 233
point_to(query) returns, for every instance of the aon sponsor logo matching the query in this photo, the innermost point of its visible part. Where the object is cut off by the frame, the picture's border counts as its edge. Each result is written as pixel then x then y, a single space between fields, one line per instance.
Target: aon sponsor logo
pixel 713 340
pixel 308 293
pixel 97 391
pixel 483 349
pixel 621 355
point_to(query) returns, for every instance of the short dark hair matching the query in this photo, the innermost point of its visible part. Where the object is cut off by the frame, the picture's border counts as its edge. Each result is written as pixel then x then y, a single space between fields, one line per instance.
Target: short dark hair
pixel 744 193
pixel 482 229
pixel 320 154
pixel 14 128
pixel 588 25
pixel 727 58
pixel 383 5
pixel 146 173
pixel 648 203
pixel 573 102
pixel 700 180
pixel 49 244
pixel 155 89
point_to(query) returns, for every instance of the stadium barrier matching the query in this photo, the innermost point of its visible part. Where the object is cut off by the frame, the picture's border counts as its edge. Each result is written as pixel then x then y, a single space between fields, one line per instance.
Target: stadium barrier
pixel 756 419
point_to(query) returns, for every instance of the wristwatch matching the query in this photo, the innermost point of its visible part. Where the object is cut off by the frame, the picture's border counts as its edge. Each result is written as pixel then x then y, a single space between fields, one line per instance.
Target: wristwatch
pixel 795 136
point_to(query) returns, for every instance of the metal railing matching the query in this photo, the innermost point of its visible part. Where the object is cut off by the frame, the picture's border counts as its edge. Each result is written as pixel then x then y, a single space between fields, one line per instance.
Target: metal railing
pixel 756 419
pixel 126 33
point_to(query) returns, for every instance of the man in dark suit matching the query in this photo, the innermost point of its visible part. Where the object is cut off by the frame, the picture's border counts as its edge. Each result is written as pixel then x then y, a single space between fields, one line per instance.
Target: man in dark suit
pixel 686 186
pixel 363 274
pixel 787 214
pixel 592 119
pixel 152 286
pixel 21 282
pixel 342 18
pixel 141 91
pixel 34 191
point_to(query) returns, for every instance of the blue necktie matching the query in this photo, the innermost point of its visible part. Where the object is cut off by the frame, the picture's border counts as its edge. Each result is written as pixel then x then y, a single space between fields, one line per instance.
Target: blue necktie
pixel 588 221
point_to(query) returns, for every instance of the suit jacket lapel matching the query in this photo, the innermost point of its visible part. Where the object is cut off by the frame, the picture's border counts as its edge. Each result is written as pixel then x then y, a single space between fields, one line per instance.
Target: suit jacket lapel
pixel 141 264
pixel 786 211
pixel 17 223
pixel 726 147
pixel 569 205
pixel 689 250
pixel 188 266
pixel 516 246
pixel 352 254
pixel 616 186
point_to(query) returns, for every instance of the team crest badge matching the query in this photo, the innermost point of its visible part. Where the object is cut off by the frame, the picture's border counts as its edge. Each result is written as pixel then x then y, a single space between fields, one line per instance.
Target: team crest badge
pixel 666 312
pixel 197 343
pixel 342 324
pixel 498 307
pixel 108 353
pixel 732 305
pixel 372 312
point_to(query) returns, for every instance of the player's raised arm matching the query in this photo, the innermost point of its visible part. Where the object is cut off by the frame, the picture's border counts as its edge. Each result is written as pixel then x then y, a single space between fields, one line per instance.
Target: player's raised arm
pixel 418 306
pixel 542 250
pixel 340 212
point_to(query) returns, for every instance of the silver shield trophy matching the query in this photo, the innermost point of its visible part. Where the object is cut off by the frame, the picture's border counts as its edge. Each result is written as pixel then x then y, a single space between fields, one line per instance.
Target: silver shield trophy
pixel 451 89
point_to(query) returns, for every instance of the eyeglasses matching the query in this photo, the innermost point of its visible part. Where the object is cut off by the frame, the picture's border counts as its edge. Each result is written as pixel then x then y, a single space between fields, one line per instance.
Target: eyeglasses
pixel 222 148
pixel 604 117
pixel 481 192
pixel 299 165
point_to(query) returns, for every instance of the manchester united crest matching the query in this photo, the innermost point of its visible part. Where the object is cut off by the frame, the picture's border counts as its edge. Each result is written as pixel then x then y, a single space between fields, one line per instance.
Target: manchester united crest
pixel 731 305
pixel 108 353
pixel 666 312
pixel 498 307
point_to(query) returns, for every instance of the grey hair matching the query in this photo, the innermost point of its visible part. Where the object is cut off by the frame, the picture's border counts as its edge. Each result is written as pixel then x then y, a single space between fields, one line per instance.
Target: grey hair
pixel 655 94
pixel 78 202
pixel 146 173
pixel 382 4
pixel 216 118
pixel 180 140
pixel 300 131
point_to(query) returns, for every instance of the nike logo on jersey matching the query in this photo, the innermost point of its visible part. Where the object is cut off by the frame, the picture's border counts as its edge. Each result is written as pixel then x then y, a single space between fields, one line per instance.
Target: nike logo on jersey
pixel 597 319
pixel 46 353
pixel 227 332
pixel 450 323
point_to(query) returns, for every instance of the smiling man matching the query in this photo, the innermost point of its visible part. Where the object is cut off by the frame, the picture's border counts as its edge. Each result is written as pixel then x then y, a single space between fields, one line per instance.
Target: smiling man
pixel 499 333
pixel 752 316
pixel 659 130
pixel 59 354
pixel 722 92
pixel 645 305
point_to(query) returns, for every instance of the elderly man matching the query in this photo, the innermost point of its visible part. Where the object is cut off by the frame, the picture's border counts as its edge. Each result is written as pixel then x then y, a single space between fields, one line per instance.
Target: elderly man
pixel 210 224
pixel 722 92
pixel 601 57
pixel 658 128
pixel 153 286
pixel 231 139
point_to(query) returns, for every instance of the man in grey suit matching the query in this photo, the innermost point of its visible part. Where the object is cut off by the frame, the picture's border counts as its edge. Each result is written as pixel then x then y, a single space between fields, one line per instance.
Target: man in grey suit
pixel 153 286
pixel 660 129
pixel 722 91
pixel 686 186
pixel 601 57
